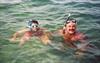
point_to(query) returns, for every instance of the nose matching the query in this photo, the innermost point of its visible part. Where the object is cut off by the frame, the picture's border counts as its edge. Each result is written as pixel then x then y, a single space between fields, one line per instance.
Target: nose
pixel 71 27
pixel 34 29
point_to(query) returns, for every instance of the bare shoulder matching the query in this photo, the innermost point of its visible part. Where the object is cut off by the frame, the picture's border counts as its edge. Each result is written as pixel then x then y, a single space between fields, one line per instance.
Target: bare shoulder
pixel 45 30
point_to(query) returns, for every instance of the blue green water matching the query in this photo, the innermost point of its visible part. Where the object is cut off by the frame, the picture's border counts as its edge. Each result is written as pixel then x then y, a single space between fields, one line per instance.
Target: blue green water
pixel 51 14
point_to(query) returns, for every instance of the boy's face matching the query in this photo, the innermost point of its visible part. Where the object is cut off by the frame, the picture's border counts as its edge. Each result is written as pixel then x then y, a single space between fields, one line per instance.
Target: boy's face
pixel 34 26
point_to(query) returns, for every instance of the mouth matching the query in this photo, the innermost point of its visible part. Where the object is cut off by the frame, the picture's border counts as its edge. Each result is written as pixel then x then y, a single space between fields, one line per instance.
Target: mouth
pixel 72 30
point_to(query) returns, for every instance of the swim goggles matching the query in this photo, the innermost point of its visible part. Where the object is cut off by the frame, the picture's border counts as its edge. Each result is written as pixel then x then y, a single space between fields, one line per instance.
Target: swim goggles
pixel 73 21
pixel 34 25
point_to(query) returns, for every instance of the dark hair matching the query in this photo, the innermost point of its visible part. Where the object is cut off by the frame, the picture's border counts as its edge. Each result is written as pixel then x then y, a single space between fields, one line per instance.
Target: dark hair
pixel 34 21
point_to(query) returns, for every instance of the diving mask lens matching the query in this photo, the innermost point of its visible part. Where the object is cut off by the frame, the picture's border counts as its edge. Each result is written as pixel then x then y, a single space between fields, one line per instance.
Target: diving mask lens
pixel 74 21
pixel 34 25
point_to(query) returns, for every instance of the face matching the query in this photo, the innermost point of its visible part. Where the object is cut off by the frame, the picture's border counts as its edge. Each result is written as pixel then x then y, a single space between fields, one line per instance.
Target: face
pixel 70 27
pixel 34 26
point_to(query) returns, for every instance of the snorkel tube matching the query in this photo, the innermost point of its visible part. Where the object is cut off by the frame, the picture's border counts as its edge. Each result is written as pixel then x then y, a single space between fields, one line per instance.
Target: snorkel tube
pixel 68 17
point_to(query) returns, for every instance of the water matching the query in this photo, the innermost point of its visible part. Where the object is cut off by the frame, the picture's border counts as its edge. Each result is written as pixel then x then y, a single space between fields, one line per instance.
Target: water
pixel 51 14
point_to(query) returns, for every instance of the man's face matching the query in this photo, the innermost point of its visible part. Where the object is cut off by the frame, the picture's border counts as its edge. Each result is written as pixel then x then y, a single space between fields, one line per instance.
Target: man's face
pixel 70 27
pixel 34 26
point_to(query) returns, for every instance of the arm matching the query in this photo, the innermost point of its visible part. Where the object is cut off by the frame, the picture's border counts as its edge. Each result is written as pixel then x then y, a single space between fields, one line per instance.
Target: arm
pixel 15 35
pixel 24 38
pixel 84 41
pixel 57 32
pixel 45 38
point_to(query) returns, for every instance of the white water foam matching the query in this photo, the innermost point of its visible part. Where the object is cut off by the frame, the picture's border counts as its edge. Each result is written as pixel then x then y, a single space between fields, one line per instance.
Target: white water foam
pixel 61 1
pixel 67 1
pixel 10 1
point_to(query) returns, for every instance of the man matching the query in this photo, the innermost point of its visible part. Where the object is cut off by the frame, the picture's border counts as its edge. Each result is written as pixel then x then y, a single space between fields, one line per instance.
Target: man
pixel 71 35
pixel 32 30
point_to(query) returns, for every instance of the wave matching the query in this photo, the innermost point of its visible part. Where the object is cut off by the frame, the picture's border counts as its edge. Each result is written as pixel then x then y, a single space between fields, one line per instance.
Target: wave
pixel 68 1
pixel 60 1
pixel 12 1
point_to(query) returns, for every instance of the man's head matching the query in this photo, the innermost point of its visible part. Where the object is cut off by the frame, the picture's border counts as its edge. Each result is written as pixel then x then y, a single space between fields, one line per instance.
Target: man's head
pixel 70 26
pixel 33 25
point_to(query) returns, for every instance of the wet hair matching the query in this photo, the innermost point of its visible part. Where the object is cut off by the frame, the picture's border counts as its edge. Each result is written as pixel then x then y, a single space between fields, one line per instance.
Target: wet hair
pixel 35 21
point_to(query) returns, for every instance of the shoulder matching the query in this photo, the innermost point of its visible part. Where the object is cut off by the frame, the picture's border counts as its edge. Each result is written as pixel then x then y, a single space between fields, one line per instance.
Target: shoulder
pixel 43 29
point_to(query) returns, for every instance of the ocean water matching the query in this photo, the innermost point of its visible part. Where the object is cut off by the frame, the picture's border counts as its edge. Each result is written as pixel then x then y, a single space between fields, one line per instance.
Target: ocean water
pixel 51 14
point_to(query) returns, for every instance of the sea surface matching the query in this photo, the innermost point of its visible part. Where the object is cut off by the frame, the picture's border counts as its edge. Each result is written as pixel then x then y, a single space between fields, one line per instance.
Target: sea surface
pixel 51 14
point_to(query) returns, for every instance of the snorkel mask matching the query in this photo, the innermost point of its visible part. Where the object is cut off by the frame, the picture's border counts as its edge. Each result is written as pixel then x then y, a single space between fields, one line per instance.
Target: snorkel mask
pixel 69 19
